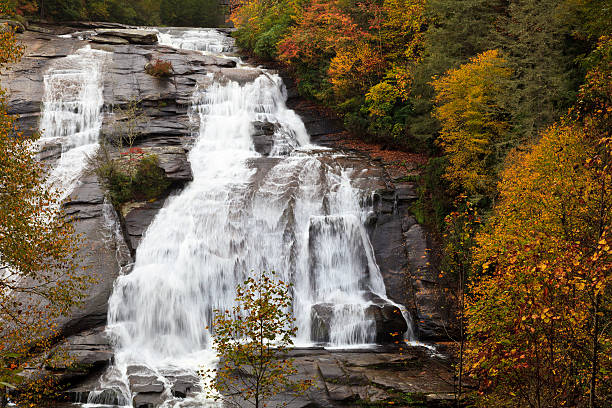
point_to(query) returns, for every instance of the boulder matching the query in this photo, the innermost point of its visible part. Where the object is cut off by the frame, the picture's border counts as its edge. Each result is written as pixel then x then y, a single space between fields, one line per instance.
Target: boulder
pixel 184 385
pixel 146 384
pixel 390 324
pixel 388 320
pixel 109 397
pixel 133 36
pixel 320 318
pixel 173 161
pixel 240 75
pixel 147 400
pixel 263 137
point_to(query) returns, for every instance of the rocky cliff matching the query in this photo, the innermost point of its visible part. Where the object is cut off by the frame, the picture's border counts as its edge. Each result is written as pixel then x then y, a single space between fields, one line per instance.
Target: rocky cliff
pixel 399 242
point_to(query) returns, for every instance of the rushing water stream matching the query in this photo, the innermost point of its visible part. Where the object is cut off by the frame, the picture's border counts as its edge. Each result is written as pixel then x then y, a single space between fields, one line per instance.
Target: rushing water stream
pixel 295 212
pixel 72 114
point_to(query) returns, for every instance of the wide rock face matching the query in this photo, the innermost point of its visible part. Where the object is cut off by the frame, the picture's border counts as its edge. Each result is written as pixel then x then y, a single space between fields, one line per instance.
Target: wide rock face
pixel 368 378
pixel 24 81
pixel 164 101
pixel 105 254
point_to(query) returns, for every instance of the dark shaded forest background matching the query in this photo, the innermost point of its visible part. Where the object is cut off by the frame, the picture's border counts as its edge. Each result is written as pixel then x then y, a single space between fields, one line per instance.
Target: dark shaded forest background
pixel 192 13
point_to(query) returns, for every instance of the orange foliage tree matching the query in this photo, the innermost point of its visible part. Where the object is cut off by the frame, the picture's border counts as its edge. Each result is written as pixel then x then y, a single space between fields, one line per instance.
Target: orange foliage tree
pixel 341 52
pixel 539 316
pixel 38 269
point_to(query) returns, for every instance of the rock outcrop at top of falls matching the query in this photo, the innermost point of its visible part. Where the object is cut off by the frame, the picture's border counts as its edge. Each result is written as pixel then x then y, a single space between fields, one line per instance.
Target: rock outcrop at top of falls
pixel 398 242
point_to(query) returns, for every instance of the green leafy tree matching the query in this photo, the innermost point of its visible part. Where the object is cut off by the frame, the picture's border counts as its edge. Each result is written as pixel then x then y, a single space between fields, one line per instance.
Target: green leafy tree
pixel 590 19
pixel 252 341
pixel 456 31
pixel 191 13
pixel 542 58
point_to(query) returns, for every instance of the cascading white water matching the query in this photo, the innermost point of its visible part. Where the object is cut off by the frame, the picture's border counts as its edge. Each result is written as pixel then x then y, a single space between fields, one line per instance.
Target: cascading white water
pixel 296 213
pixel 196 39
pixel 71 115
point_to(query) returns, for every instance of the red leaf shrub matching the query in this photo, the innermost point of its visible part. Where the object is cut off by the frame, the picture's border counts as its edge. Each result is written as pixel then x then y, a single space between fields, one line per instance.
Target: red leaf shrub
pixel 159 68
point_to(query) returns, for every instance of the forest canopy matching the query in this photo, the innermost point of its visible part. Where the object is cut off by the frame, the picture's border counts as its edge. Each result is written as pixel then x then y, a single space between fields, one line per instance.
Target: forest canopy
pixel 187 13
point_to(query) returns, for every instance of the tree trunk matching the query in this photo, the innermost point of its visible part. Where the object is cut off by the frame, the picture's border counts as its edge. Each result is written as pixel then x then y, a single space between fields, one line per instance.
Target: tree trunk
pixel 461 336
pixel 3 399
pixel 594 359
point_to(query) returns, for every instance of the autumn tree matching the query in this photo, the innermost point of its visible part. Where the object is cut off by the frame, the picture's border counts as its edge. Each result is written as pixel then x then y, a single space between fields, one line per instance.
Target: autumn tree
pixel 252 341
pixel 24 7
pixel 39 277
pixel 539 332
pixel 455 31
pixel 263 24
pixel 474 125
pixel 460 229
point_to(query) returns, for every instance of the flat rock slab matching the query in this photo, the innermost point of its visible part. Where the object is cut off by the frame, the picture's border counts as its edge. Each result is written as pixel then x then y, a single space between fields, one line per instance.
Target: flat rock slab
pixel 108 39
pixel 330 370
pixel 341 393
pixel 368 376
pixel 143 37
pixel 143 383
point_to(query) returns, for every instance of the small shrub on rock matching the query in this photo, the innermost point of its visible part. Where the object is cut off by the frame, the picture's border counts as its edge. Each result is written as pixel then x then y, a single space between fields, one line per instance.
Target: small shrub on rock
pixel 150 180
pixel 159 68
pixel 126 181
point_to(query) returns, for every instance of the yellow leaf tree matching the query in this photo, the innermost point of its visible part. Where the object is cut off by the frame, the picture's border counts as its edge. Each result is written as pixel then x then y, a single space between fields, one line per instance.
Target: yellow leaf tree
pixel 252 341
pixel 473 123
pixel 539 315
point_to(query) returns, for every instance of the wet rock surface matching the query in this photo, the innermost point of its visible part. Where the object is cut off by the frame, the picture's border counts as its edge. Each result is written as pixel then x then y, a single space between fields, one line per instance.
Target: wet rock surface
pixel 24 80
pixel 263 137
pixel 339 378
pixel 358 377
pixel 87 350
pixel 101 258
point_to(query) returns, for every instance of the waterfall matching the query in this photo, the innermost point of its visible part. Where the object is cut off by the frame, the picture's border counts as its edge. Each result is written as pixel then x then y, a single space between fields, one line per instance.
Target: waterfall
pixel 71 115
pixel 295 212
pixel 196 39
